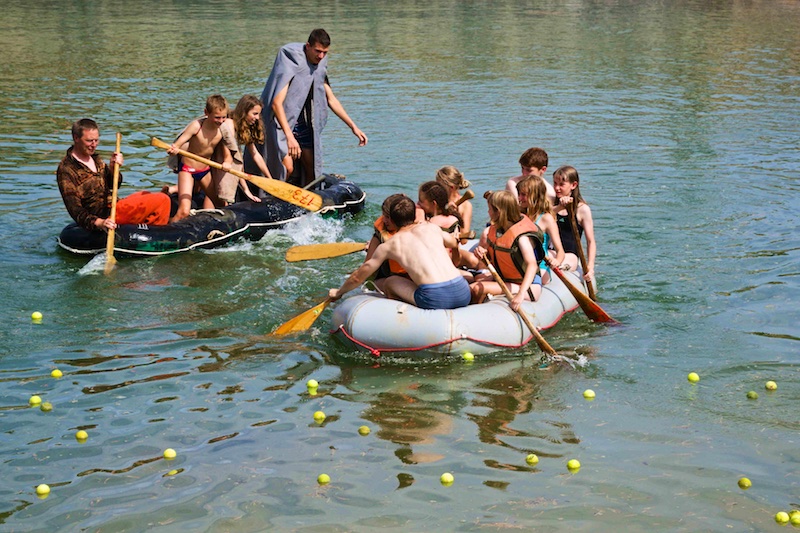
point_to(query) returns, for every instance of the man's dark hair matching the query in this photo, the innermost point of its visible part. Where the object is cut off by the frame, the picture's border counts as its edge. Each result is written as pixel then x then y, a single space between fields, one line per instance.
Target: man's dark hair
pixel 319 36
pixel 79 126
pixel 402 211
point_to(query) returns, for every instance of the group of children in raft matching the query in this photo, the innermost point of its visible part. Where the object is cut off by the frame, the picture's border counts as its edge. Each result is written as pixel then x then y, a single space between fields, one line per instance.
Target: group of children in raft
pixel 530 229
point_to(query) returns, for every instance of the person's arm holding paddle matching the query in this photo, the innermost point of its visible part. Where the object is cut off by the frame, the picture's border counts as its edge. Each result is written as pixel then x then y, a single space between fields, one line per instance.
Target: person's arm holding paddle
pixel 584 216
pixel 360 275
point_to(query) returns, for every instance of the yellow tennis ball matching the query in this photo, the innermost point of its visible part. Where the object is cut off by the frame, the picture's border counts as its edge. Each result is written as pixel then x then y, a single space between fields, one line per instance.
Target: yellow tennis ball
pixel 447 479
pixel 588 394
pixel 752 395
pixel 319 417
pixel 745 483
pixel 468 357
pixel 81 435
pixel 36 315
pixel 172 473
pixel 693 377
pixel 573 465
pixel 46 406
pixel 794 514
pixel 782 517
pixel 312 384
pixel 363 431
pixel 170 454
pixel 56 373
pixel 532 459
pixel 35 400
pixel 771 385
pixel 795 520
pixel 323 479
pixel 43 489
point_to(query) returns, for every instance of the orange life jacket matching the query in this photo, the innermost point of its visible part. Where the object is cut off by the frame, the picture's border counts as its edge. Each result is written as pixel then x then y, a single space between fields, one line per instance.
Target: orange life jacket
pixel 504 251
pixel 383 235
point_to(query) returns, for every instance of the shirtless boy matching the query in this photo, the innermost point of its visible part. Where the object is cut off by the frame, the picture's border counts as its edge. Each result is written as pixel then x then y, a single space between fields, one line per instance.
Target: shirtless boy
pixel 203 136
pixel 420 247
pixel 533 162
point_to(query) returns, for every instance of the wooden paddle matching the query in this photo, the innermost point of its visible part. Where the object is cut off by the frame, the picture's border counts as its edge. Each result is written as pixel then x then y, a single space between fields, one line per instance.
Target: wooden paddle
pixel 543 344
pixel 589 306
pixel 110 260
pixel 303 321
pixel 306 252
pixel 277 188
pixel 573 220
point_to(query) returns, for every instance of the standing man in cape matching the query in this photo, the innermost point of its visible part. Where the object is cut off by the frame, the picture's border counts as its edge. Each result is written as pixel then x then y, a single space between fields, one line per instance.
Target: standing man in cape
pixel 296 101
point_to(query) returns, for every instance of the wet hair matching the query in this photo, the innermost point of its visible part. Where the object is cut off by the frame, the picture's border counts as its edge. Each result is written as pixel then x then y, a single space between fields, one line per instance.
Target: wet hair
pixel 450 176
pixel 320 37
pixel 216 102
pixel 506 208
pixel 570 174
pixel 533 158
pixel 247 133
pixel 536 191
pixel 79 126
pixel 401 210
pixel 436 193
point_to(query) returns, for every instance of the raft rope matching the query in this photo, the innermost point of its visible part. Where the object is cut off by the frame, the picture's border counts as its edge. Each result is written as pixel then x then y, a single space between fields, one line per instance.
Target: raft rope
pixel 375 352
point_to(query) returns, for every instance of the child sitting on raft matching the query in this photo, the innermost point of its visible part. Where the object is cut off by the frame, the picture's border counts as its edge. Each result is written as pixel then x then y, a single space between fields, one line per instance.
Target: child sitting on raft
pixel 433 282
pixel 454 181
pixel 434 202
pixel 534 204
pixel 571 204
pixel 513 244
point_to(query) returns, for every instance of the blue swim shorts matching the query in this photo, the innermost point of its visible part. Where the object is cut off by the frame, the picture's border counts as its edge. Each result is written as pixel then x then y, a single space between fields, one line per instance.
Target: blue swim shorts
pixel 445 295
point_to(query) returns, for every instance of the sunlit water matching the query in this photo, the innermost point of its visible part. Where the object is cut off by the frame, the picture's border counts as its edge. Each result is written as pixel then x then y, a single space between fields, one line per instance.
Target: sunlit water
pixel 681 117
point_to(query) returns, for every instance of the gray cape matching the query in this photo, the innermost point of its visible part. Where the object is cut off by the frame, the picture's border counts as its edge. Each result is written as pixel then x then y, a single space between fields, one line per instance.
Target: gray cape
pixel 291 67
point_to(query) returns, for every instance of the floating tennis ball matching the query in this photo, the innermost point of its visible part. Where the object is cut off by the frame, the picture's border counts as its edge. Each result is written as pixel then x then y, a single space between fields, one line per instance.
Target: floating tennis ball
pixel 752 395
pixel 588 394
pixel 35 400
pixel 693 377
pixel 532 459
pixel 36 316
pixel 46 406
pixel 795 520
pixel 323 479
pixel 170 454
pixel 573 465
pixel 56 373
pixel 172 473
pixel 468 357
pixel 81 435
pixel 363 431
pixel 312 384
pixel 744 483
pixel 447 479
pixel 782 517
pixel 44 489
pixel 771 385
pixel 319 417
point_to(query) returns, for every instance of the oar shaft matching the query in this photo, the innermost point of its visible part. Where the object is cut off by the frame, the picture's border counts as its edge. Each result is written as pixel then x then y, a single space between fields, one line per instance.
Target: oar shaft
pixel 110 260
pixel 543 344
pixel 572 213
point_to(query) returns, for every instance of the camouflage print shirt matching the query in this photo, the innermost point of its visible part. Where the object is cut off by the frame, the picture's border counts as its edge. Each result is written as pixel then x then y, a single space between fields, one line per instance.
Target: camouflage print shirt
pixel 86 194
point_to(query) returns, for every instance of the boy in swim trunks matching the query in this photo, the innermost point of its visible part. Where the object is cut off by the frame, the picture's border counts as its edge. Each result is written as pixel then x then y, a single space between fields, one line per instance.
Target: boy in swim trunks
pixel 203 137
pixel 421 248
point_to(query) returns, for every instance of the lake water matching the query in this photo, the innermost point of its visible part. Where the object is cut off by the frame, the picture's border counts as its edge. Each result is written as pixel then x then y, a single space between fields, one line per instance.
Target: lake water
pixel 682 118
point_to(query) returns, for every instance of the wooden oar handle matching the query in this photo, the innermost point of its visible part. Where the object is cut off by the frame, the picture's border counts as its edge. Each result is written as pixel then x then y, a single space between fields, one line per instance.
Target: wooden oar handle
pixel 213 164
pixel 110 260
pixel 572 214
pixel 468 195
pixel 543 344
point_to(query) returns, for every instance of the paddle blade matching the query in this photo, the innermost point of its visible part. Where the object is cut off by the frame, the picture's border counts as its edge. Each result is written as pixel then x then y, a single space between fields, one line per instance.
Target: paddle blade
pixel 589 306
pixel 308 252
pixel 303 321
pixel 110 262
pixel 285 191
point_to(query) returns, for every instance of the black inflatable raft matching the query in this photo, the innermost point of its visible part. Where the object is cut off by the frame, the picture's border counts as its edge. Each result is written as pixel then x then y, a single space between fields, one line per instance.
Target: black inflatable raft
pixel 214 227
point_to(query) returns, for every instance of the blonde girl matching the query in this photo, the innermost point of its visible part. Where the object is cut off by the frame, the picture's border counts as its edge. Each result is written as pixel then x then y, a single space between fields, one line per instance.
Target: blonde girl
pixel 533 201
pixel 512 242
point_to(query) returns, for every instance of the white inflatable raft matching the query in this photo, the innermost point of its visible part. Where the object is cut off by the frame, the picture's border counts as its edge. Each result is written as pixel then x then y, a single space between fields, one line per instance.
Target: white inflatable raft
pixel 371 322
